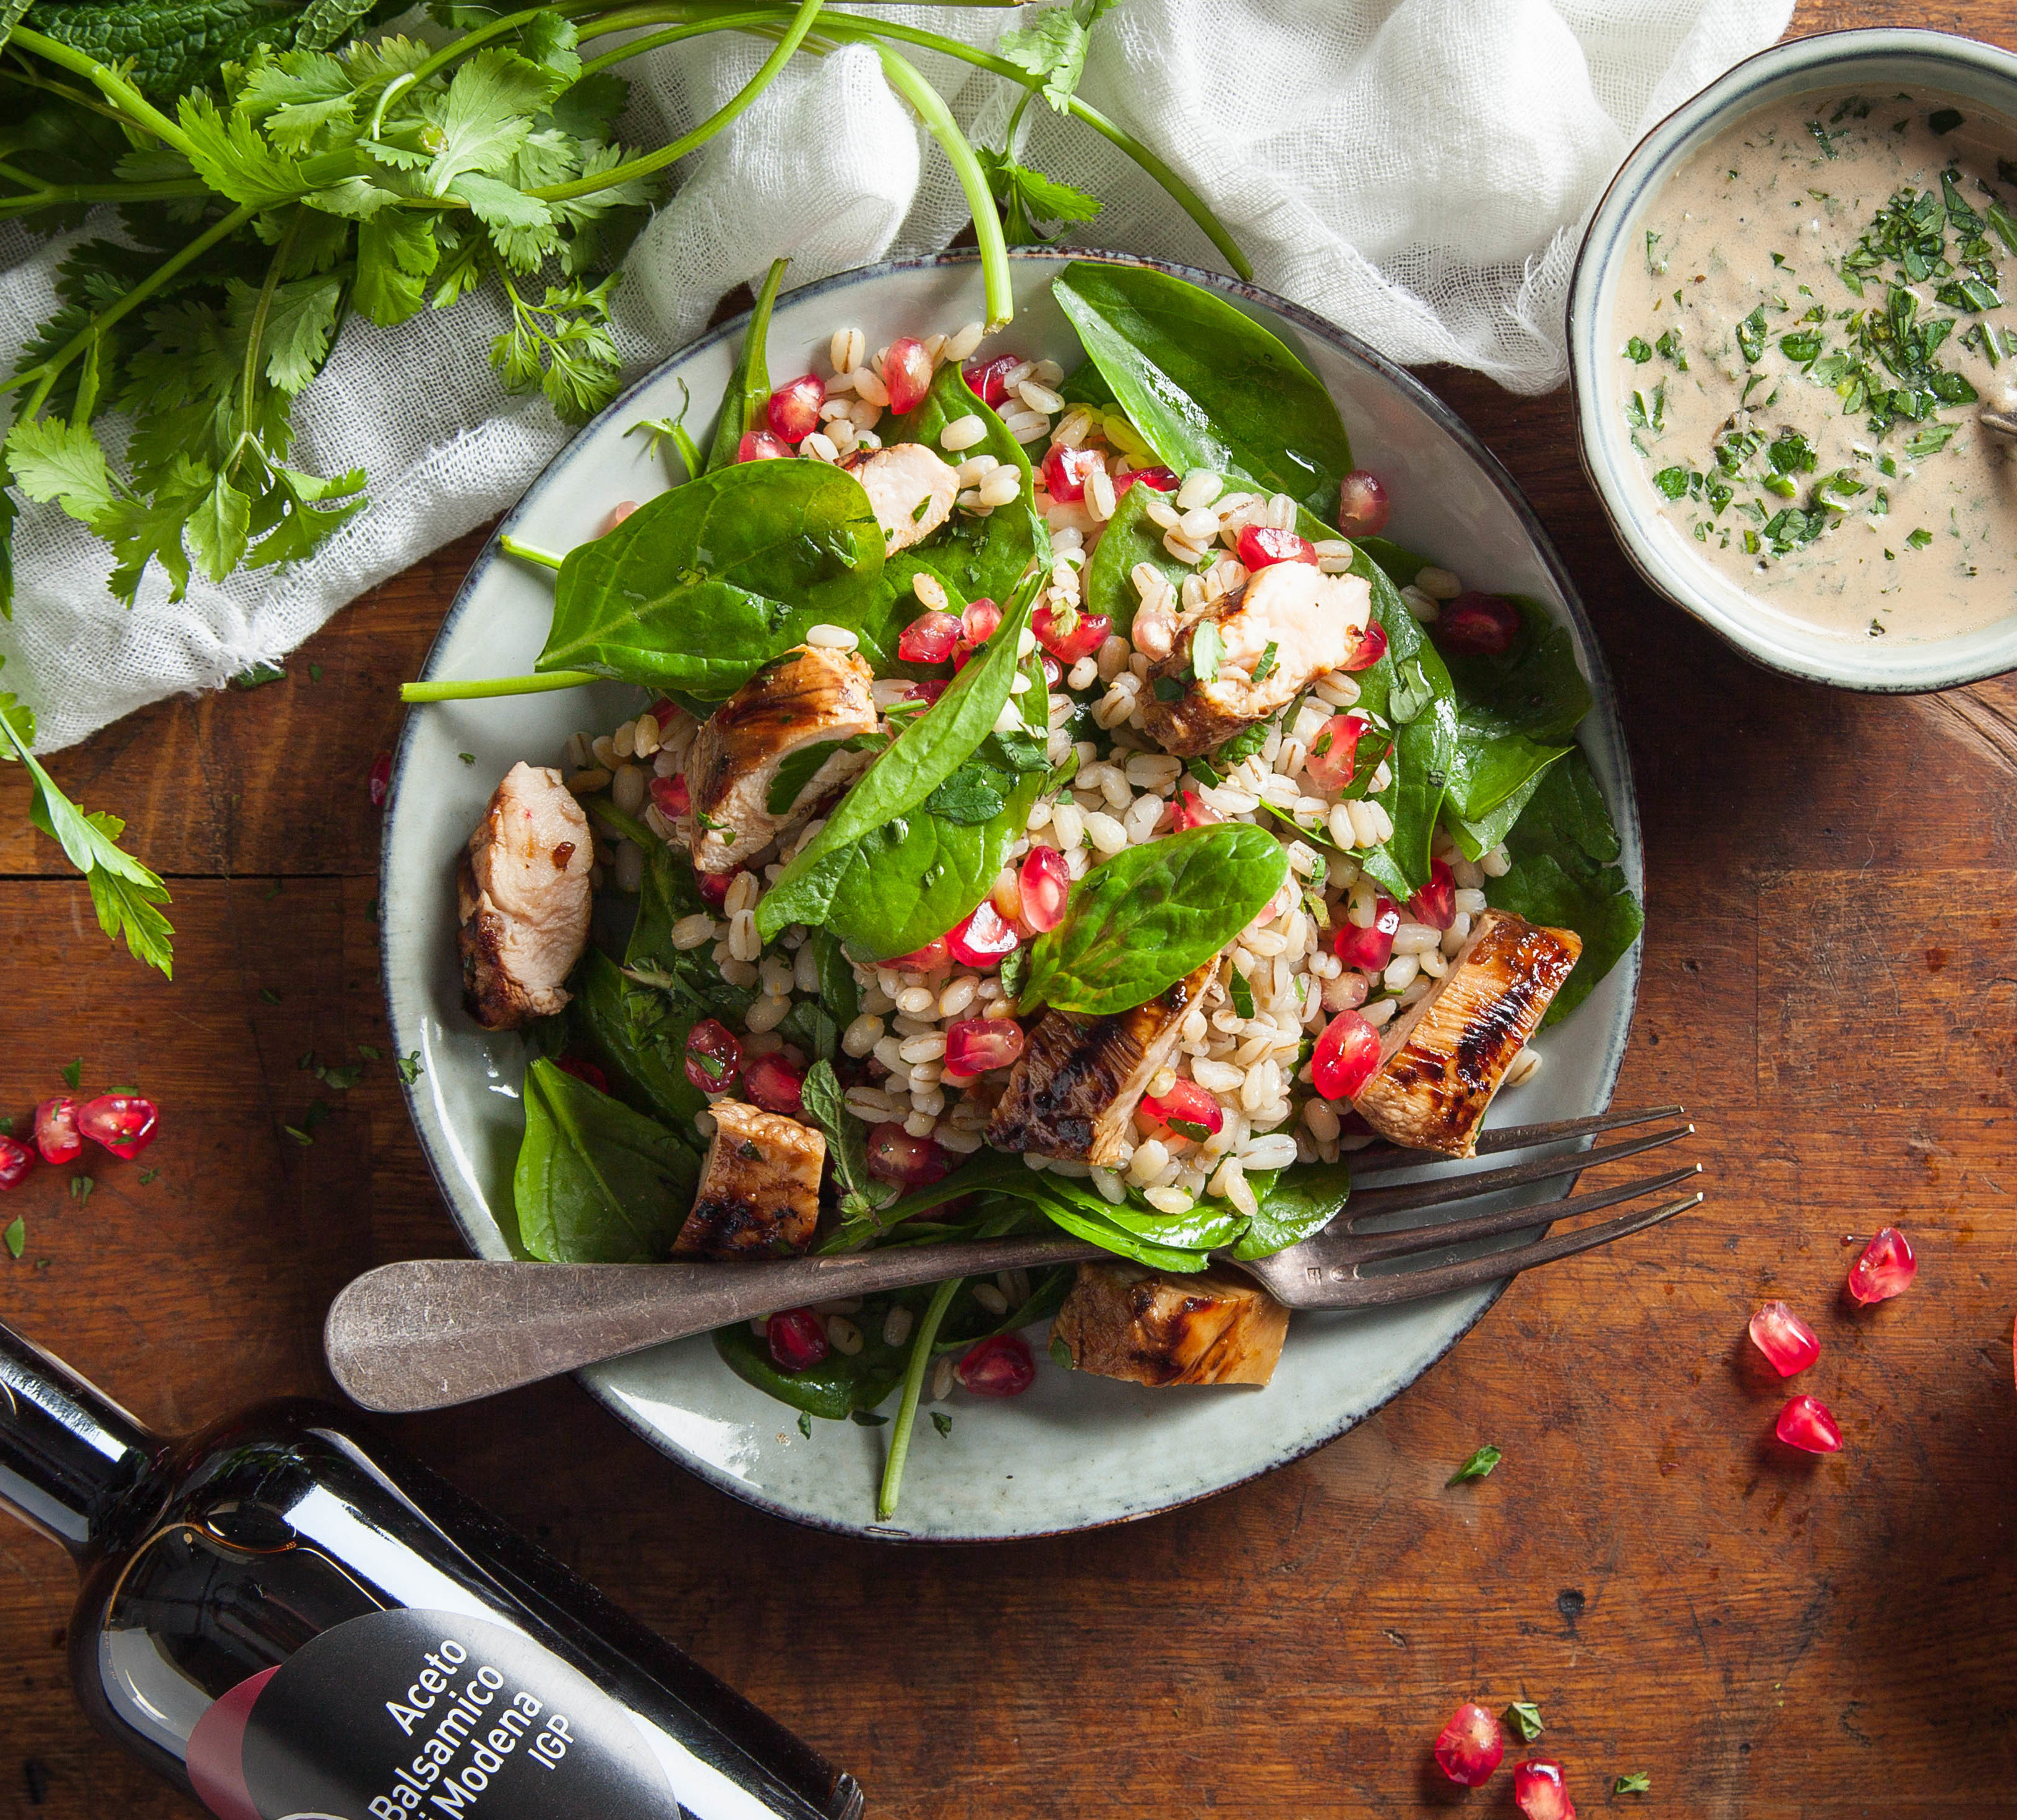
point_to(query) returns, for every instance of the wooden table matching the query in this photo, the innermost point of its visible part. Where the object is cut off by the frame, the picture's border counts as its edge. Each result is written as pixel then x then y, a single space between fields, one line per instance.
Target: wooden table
pixel 1831 986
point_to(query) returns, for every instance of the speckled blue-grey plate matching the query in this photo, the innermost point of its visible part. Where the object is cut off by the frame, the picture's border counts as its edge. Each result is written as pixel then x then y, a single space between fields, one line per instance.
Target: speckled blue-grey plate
pixel 1074 1451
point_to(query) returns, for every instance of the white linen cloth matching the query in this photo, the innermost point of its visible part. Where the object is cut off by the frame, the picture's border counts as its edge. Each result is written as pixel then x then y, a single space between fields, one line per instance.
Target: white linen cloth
pixel 1418 171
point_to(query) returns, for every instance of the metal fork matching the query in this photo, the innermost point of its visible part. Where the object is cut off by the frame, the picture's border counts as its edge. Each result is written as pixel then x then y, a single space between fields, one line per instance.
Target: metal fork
pixel 433 1332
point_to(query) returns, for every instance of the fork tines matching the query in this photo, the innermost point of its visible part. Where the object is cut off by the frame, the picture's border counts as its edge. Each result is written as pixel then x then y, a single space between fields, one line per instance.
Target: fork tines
pixel 1375 1157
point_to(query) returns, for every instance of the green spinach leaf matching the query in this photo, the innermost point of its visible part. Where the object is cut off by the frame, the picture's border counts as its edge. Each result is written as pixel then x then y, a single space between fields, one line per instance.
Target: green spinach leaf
pixel 1295 1203
pixel 1131 537
pixel 638 1036
pixel 746 405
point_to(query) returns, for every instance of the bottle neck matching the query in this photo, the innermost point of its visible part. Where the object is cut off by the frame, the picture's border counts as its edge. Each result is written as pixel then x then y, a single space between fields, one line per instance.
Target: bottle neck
pixel 68 1454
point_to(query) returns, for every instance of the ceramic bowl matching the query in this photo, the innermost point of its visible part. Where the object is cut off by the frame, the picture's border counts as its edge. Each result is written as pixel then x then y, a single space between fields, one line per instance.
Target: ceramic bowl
pixel 1883 58
pixel 1075 1450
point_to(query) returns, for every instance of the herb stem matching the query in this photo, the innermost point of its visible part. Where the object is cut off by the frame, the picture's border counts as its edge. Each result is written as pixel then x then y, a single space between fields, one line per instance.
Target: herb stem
pixel 614 819
pixel 913 1384
pixel 743 21
pixel 131 102
pixel 529 553
pixel 256 336
pixel 479 689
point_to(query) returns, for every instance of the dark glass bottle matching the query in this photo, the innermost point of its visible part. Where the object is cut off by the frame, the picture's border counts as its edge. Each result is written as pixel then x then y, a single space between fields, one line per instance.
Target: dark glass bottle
pixel 294 1622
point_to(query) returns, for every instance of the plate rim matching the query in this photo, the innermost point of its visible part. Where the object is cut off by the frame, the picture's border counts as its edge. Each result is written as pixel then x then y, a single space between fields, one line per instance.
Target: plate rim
pixel 1608 736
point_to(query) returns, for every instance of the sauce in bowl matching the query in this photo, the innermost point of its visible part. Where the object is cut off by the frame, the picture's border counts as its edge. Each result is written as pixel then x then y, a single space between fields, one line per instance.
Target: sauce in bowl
pixel 1806 347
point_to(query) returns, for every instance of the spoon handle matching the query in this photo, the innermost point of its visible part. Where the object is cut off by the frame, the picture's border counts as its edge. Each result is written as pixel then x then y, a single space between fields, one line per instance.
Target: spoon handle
pixel 435 1332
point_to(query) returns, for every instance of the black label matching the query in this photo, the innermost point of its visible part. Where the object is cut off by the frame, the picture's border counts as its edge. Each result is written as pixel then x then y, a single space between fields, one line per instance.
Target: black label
pixel 411 1715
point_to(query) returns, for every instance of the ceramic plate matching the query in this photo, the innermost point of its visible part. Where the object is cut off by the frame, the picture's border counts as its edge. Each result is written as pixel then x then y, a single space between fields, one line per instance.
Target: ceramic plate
pixel 1074 1451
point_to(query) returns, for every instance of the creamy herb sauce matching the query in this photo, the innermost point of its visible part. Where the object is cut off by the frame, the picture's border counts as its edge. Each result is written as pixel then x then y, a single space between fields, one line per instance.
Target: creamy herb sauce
pixel 1809 327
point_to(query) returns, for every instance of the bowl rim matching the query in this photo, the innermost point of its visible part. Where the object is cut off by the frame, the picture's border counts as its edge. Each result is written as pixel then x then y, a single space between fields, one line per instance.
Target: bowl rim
pixel 1804 655
pixel 1606 734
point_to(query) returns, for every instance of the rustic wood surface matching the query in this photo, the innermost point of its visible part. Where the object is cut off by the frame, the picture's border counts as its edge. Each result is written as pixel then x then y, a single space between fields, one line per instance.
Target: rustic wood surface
pixel 1830 985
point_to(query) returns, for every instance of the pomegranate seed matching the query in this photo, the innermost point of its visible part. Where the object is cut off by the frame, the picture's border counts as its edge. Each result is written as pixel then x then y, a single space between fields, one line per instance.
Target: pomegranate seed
pixel 1187 1109
pixel 1262 546
pixel 381 779
pixel 933 957
pixel 1476 625
pixel 1371 947
pixel 672 796
pixel 666 712
pixel 1885 1269
pixel 616 516
pixel 1783 1338
pixel 1193 811
pixel 907 372
pixel 56 1129
pixel 1334 751
pixel 982 937
pixel 583 1069
pixel 1046 884
pixel 795 407
pixel 975 1045
pixel 761 445
pixel 1369 648
pixel 774 1082
pixel 977 623
pixel 1469 1747
pixel 124 1123
pixel 16 1161
pixel 1066 470
pixel 797 1338
pixel 986 382
pixel 910 1162
pixel 1068 640
pixel 1806 1424
pixel 1347 1056
pixel 1362 505
pixel 1052 674
pixel 714 886
pixel 1538 1793
pixel 928 638
pixel 1435 903
pixel 713 1056
pixel 1162 479
pixel 1001 1366
pixel 932 686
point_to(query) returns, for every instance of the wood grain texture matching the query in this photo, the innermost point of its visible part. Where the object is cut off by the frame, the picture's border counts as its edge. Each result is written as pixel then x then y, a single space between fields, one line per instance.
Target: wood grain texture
pixel 1770 1636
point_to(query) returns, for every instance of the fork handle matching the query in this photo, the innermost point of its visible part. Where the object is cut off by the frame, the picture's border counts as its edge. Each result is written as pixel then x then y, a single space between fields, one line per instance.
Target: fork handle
pixel 435 1332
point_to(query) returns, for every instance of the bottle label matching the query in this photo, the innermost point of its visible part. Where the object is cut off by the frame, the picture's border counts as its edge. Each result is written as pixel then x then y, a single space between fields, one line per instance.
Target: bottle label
pixel 413 1715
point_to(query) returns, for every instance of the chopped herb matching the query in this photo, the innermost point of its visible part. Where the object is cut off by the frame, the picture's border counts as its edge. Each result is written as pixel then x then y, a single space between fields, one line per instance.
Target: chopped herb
pixel 1638 349
pixel 17 1236
pixel 1524 1717
pixel 1478 1466
pixel 72 1072
pixel 1639 1782
pixel 1242 992
pixel 1751 335
pixel 1803 346
pixel 268 996
pixel 1207 648
pixel 258 676
pixel 1652 266
pixel 409 1068
pixel 1168 689
pixel 1931 440
pixel 315 673
pixel 1672 482
pixel 1264 668
pixel 1919 539
pixel 867 1418
pixel 296 1132
pixel 81 1187
pixel 1822 138
pixel 6 1125
pixel 1062 1354
pixel 467 757
pixel 1190 1128
pixel 806 1423
pixel 1669 344
pixel 271 892
pixel 368 1053
pixel 942 1421
pixel 1944 119
pixel 918 510
pixel 149 1177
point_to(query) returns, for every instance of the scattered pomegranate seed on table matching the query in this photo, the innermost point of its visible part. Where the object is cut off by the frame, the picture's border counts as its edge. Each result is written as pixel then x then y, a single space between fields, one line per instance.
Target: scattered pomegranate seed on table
pixel 1806 1424
pixel 1785 1339
pixel 1885 1269
pixel 16 1161
pixel 56 1129
pixel 906 374
pixel 714 1057
pixel 1262 546
pixel 910 1162
pixel 795 407
pixel 1347 1056
pixel 1001 1366
pixel 124 1123
pixel 797 1338
pixel 1538 1792
pixel 1362 505
pixel 380 779
pixel 1469 1747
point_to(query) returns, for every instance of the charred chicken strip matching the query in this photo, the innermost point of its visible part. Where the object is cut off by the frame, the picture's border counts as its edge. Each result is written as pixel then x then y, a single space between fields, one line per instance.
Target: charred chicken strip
pixel 522 896
pixel 1442 1059
pixel 759 1195
pixel 1148 1328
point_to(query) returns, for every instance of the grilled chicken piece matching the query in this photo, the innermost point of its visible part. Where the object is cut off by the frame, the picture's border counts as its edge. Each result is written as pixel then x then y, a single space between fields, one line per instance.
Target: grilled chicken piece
pixel 521 892
pixel 809 697
pixel 1309 620
pixel 1441 1060
pixel 1077 1083
pixel 758 1194
pixel 912 490
pixel 1217 1327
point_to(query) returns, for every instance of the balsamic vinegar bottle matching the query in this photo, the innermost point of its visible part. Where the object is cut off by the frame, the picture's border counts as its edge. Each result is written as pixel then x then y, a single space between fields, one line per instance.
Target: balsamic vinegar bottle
pixel 293 1622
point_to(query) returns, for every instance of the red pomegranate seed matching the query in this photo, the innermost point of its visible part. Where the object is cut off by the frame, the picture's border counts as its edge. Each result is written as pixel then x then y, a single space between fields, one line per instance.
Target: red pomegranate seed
pixel 1161 479
pixel 1001 1366
pixel 932 686
pixel 774 1082
pixel 910 1162
pixel 616 516
pixel 982 937
pixel 56 1129
pixel 1066 471
pixel 1538 1793
pixel 1435 903
pixel 124 1123
pixel 795 407
pixel 906 374
pixel 986 382
pixel 1192 811
pixel 1362 505
pixel 1476 625
pixel 761 445
pixel 1370 647
pixel 1783 1338
pixel 1469 1747
pixel 975 1045
pixel 1052 674
pixel 666 712
pixel 1806 1424
pixel 1347 1056
pixel 16 1161
pixel 1068 640
pixel 381 779
pixel 713 1056
pixel 672 796
pixel 928 638
pixel 1187 1109
pixel 1371 947
pixel 1885 1269
pixel 1046 880
pixel 933 957
pixel 1333 753
pixel 714 886
pixel 1262 546
pixel 797 1338
pixel 977 623
pixel 583 1069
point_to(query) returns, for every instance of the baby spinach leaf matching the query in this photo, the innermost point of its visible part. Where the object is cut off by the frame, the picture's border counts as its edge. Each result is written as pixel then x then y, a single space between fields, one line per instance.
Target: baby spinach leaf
pixel 699 588
pixel 692 981
pixel 638 1036
pixel 1082 1222
pixel 1295 1203
pixel 1131 537
pixel 1207 385
pixel 1409 674
pixel 1139 923
pixel 840 1386
pixel 596 1183
pixel 746 405
pixel 1163 1241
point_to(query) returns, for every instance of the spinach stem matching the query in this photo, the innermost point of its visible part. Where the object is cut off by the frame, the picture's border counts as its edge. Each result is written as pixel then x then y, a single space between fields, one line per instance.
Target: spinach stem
pixel 477 688
pixel 913 1384
pixel 529 553
pixel 613 818
pixel 130 102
